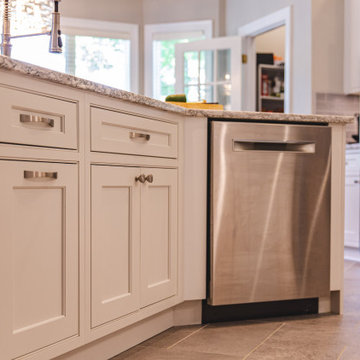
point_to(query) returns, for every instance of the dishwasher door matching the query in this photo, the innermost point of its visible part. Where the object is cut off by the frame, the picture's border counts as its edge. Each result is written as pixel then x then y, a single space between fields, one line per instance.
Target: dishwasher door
pixel 270 212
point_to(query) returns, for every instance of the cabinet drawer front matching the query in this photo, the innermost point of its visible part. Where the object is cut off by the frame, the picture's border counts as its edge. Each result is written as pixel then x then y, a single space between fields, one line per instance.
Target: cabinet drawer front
pixel 30 119
pixel 117 132
pixel 39 249
pixel 352 164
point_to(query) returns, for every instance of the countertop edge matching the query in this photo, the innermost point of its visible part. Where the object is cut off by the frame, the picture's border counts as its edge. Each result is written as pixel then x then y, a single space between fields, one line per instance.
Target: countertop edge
pixel 38 72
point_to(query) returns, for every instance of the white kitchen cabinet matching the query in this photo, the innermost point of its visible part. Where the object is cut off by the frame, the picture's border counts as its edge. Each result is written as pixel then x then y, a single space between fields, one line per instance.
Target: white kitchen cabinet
pixel 352 211
pixel 128 215
pixel 38 255
pixel 115 241
pixel 34 119
pixel 158 236
pixel 351 47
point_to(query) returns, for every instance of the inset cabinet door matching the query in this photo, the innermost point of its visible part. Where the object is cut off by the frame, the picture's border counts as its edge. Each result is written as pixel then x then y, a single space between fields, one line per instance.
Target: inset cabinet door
pixel 115 239
pixel 352 211
pixel 158 236
pixel 38 255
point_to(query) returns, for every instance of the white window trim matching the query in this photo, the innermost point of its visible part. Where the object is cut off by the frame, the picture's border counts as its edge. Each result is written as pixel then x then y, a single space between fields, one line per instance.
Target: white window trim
pixel 249 32
pixel 150 30
pixel 112 30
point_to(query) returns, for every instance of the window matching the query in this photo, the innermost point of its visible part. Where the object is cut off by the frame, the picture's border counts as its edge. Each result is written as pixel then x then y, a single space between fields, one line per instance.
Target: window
pixel 103 52
pixel 207 76
pixel 160 41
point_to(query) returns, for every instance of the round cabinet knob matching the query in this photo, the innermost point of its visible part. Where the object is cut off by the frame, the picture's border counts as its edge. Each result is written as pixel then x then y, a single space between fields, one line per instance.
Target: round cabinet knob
pixel 141 178
pixel 149 178
pixel 356 181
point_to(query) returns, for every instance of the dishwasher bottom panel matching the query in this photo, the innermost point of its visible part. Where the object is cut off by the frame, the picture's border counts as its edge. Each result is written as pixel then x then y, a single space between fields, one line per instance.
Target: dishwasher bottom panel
pixel 270 212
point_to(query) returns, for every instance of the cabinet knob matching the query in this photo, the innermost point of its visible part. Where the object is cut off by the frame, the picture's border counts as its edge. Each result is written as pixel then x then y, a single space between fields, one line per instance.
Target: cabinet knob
pixel 141 178
pixel 149 178
pixel 356 181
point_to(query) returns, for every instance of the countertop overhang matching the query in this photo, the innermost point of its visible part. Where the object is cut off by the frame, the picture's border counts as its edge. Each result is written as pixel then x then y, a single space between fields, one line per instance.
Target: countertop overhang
pixel 34 71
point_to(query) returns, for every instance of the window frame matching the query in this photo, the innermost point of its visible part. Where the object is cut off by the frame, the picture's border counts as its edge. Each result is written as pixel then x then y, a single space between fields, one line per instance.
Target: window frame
pixel 177 27
pixel 110 29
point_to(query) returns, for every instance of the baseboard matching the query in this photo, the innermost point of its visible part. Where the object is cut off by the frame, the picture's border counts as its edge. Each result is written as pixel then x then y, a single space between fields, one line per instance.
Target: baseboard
pixel 114 344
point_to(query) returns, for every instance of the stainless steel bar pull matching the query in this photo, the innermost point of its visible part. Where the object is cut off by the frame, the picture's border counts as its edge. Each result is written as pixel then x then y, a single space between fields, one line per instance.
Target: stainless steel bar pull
pixel 288 146
pixel 135 135
pixel 36 120
pixel 40 175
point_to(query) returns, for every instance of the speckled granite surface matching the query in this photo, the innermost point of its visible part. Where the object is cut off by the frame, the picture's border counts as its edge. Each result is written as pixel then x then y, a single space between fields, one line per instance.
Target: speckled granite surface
pixel 78 83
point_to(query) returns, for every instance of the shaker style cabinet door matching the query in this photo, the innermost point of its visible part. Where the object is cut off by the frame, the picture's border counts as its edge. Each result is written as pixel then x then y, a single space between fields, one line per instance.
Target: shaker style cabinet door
pixel 158 236
pixel 38 255
pixel 115 239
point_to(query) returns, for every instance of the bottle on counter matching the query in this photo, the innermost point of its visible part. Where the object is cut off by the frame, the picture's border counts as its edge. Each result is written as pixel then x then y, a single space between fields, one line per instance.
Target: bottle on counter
pixel 264 85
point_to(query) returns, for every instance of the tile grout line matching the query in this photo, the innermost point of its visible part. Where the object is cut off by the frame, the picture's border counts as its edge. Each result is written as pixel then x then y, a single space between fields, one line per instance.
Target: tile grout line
pixel 267 338
pixel 342 352
pixel 186 337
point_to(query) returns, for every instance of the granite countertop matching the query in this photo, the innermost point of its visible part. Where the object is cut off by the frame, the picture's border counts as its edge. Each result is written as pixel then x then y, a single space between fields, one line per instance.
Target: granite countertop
pixel 78 83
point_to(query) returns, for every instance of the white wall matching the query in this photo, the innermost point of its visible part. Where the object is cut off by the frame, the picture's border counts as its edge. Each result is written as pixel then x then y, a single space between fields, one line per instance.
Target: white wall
pixel 127 11
pixel 328 46
pixel 165 11
pixel 241 12
pixel 272 42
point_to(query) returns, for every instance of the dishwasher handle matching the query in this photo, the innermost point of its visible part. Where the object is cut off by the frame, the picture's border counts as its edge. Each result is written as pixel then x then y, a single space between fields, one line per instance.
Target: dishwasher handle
pixel 307 147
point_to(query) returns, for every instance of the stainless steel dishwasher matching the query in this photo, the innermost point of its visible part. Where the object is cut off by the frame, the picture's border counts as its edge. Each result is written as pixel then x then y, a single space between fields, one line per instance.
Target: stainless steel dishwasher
pixel 269 212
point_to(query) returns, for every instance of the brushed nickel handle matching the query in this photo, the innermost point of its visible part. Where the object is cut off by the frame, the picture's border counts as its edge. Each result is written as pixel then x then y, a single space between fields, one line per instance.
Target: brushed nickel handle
pixel 36 120
pixel 149 178
pixel 40 175
pixel 141 178
pixel 135 135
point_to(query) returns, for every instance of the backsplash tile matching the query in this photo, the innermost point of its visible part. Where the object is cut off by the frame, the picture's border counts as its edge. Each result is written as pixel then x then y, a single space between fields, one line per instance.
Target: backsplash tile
pixel 338 104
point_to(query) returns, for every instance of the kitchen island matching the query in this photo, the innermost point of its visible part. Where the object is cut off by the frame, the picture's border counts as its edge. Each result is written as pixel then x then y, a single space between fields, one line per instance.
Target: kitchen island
pixel 103 214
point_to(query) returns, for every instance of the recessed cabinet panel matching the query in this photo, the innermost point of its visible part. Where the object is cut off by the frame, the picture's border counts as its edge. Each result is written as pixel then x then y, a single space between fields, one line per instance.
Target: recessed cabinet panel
pixel 116 132
pixel 115 221
pixel 32 119
pixel 158 236
pixel 33 245
pixel 39 244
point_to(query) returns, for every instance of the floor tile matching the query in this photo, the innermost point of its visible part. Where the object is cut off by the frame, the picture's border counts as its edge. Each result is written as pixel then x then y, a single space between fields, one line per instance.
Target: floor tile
pixel 235 339
pixel 310 337
pixel 151 353
pixel 171 336
pixel 299 341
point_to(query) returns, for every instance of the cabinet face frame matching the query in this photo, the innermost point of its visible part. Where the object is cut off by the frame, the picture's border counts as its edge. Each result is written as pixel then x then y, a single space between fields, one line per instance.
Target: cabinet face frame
pixel 58 320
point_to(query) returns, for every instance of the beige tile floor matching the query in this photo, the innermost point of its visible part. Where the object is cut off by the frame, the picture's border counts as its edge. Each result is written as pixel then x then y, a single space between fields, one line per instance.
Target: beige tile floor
pixel 314 337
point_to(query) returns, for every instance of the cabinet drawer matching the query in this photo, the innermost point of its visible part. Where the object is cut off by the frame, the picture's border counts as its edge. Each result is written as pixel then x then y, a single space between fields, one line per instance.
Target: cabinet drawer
pixel 116 132
pixel 352 164
pixel 31 119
